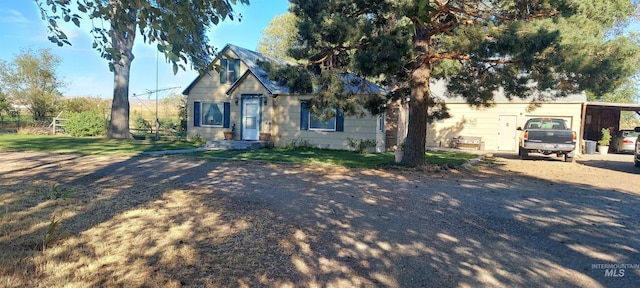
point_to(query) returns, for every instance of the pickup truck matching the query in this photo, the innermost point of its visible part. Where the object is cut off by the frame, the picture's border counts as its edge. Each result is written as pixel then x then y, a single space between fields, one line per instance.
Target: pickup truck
pixel 547 136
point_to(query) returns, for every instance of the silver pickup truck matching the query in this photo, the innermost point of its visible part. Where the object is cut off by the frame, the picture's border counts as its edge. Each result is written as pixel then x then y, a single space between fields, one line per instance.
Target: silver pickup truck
pixel 547 136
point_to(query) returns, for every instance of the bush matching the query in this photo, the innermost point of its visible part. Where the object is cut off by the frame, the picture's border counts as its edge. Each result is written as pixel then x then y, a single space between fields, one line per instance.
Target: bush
pixel 88 123
pixel 361 145
pixel 298 143
pixel 142 124
pixel 170 124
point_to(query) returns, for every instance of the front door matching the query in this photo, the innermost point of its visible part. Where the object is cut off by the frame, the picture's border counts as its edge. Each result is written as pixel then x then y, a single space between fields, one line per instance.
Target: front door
pixel 507 133
pixel 250 118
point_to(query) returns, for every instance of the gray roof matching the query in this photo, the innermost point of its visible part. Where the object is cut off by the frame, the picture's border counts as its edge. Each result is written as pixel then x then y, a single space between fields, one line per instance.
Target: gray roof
pixel 439 89
pixel 251 59
pixel 353 83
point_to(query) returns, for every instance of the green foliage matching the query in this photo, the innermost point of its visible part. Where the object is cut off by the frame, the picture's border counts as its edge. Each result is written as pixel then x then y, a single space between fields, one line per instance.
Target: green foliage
pixel 280 34
pixel 518 47
pixel 6 109
pixel 54 192
pixel 51 234
pixel 83 104
pixel 142 124
pixel 170 124
pixel 31 80
pixel 299 143
pixel 605 139
pixel 177 28
pixel 198 140
pixel 361 145
pixel 297 78
pixel 88 123
pixel 183 114
pixel 87 146
pixel 314 156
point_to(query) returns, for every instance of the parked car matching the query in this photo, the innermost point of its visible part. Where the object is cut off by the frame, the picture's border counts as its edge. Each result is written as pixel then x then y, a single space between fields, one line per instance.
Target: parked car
pixel 636 152
pixel 624 141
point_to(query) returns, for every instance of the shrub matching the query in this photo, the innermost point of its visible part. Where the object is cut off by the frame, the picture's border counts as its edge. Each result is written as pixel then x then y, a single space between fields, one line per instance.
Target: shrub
pixel 88 123
pixel 298 143
pixel 142 124
pixel 55 192
pixel 170 124
pixel 361 145
pixel 197 139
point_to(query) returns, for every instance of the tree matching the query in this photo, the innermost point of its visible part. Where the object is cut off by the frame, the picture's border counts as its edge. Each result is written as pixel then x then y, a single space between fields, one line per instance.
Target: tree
pixel 5 106
pixel 83 104
pixel 178 27
pixel 478 47
pixel 625 93
pixel 280 34
pixel 31 80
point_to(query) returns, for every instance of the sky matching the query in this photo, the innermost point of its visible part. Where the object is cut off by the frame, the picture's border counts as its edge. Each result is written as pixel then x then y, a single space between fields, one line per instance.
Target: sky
pixel 87 74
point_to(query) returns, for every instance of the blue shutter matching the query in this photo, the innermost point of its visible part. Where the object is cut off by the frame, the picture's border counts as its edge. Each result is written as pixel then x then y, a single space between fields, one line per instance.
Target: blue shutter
pixel 304 116
pixel 236 69
pixel 196 114
pixel 223 72
pixel 339 121
pixel 227 115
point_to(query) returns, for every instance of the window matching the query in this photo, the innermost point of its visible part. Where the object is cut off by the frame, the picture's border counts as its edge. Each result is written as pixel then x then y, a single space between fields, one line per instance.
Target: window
pixel 230 70
pixel 309 121
pixel 329 124
pixel 211 114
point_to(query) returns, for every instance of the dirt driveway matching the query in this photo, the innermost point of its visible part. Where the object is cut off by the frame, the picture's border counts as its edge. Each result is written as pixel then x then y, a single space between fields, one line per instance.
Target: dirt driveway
pixel 512 223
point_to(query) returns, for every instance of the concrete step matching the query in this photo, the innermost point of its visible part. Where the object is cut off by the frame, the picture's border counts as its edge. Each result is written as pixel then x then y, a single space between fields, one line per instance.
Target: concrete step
pixel 234 145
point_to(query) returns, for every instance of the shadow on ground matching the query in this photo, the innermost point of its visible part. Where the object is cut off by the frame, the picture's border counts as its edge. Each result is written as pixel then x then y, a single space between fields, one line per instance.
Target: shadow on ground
pixel 171 221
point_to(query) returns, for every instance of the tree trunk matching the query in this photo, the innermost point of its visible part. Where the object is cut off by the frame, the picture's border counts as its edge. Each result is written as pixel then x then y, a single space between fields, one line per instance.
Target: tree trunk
pixel 122 41
pixel 414 154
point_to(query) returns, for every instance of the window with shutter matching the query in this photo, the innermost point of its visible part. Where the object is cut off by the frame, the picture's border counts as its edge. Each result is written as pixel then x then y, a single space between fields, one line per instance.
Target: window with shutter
pixel 310 121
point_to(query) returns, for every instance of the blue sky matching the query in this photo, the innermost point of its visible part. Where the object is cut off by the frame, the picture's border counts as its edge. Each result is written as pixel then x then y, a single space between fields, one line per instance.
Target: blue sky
pixel 87 73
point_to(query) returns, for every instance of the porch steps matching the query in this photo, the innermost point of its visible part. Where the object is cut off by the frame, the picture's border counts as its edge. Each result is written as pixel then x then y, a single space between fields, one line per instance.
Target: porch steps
pixel 235 145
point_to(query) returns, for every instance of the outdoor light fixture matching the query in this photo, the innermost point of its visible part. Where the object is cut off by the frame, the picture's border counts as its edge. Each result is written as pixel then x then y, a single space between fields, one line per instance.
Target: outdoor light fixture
pixel 265 101
pixel 235 100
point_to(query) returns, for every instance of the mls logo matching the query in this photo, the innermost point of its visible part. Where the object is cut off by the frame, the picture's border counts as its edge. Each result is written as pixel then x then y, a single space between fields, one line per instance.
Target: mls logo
pixel 614 273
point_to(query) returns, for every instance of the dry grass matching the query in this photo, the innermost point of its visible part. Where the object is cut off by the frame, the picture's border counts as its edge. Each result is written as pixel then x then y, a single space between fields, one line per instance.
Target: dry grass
pixel 150 234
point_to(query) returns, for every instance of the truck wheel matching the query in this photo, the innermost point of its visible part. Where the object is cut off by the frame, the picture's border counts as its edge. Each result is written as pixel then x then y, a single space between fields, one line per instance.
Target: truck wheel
pixel 523 153
pixel 637 163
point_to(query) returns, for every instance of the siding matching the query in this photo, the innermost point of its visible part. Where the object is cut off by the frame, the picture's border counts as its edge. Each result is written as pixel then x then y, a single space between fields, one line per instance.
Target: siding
pixel 209 89
pixel 483 122
pixel 286 127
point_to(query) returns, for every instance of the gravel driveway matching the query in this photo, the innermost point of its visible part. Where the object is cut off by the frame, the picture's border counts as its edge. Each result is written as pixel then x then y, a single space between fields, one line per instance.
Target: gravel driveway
pixel 511 223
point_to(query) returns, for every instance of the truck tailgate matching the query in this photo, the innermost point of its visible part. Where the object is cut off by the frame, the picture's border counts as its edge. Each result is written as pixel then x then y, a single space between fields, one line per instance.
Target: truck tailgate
pixel 551 136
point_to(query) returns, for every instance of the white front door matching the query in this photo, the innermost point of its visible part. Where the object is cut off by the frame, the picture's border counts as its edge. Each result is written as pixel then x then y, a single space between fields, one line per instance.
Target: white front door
pixel 250 119
pixel 507 133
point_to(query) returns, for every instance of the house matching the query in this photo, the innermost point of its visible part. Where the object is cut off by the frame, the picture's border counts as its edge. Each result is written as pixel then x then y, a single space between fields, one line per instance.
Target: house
pixel 242 99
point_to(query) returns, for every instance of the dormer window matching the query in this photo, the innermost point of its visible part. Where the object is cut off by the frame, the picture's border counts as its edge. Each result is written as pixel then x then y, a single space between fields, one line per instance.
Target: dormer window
pixel 230 70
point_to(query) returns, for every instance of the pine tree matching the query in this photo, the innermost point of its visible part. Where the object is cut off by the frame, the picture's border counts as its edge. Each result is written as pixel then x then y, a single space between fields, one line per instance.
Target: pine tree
pixel 521 46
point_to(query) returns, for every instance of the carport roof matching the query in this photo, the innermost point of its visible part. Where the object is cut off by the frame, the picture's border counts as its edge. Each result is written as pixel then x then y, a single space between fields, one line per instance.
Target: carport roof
pixel 618 106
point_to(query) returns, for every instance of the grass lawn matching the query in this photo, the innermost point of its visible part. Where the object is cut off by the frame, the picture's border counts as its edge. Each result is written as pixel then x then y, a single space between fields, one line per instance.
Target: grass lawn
pixel 101 146
pixel 85 146
pixel 331 157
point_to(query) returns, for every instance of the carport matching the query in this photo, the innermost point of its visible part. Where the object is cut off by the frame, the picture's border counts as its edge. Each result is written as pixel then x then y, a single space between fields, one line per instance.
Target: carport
pixel 598 115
